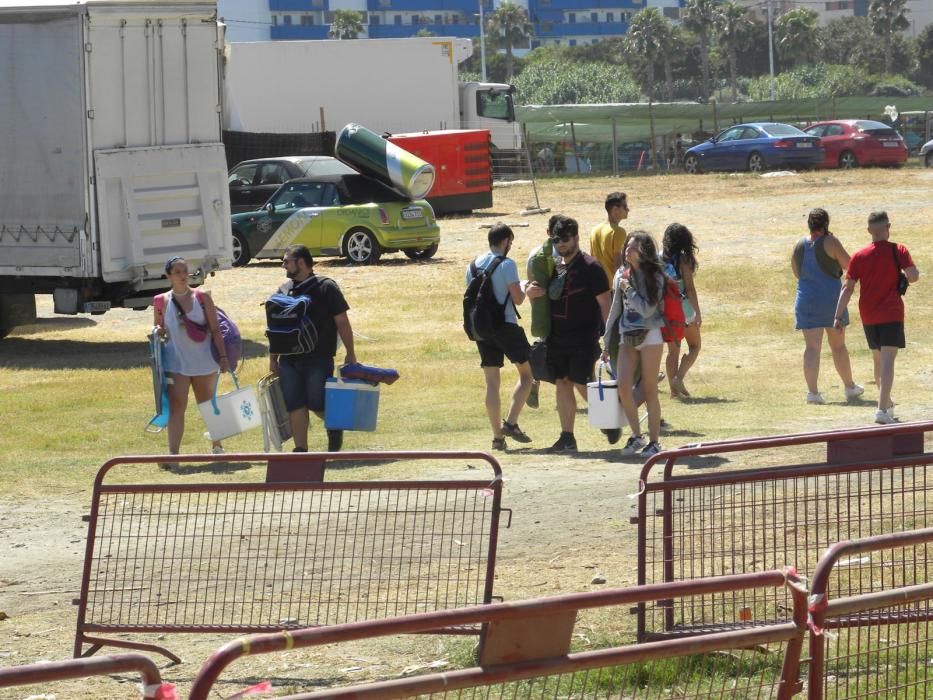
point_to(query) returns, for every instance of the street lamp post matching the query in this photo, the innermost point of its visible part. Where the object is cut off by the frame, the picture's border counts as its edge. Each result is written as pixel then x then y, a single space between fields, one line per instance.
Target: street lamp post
pixel 482 40
pixel 770 50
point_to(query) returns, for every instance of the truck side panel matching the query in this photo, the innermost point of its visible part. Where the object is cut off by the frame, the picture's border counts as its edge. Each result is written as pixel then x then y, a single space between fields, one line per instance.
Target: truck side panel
pixel 42 163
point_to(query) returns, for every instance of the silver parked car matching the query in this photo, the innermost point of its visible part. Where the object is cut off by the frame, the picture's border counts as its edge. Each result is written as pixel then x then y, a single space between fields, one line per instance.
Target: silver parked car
pixel 926 154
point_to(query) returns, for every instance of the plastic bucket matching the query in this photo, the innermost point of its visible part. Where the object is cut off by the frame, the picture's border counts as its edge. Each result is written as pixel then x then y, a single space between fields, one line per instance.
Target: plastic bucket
pixel 375 157
pixel 605 409
pixel 232 413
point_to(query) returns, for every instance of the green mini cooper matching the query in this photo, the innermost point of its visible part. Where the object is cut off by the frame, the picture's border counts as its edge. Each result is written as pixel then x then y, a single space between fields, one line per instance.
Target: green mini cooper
pixel 345 215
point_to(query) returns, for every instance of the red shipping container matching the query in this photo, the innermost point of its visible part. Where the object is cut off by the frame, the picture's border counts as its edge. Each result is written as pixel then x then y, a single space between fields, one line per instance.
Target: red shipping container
pixel 462 165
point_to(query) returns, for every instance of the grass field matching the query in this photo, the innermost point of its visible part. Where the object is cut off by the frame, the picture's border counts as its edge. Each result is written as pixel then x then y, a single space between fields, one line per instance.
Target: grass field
pixel 75 391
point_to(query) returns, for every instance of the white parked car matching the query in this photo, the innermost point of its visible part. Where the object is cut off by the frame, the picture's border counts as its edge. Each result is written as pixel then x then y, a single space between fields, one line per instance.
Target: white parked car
pixel 926 154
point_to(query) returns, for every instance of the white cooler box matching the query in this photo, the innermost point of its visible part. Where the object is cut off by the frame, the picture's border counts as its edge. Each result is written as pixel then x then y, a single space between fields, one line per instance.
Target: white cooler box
pixel 605 409
pixel 231 414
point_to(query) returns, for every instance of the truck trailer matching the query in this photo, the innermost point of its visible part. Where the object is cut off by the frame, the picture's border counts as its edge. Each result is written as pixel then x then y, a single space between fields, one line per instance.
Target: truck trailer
pixel 387 85
pixel 111 157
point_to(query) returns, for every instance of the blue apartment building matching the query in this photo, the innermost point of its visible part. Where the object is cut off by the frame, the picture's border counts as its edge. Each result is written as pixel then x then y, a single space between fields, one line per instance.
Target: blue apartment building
pixel 560 22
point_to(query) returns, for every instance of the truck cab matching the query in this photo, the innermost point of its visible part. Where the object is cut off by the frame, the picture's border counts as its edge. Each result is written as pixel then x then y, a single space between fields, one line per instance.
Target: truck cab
pixel 490 106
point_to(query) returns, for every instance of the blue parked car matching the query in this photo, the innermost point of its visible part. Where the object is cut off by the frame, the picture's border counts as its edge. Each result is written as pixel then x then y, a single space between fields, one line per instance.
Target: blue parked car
pixel 755 147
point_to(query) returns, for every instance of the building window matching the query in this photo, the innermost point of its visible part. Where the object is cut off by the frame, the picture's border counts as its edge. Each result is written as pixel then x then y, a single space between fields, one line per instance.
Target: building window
pixel 374 19
pixel 610 17
pixel 438 19
pixel 571 17
pixel 455 19
pixel 307 19
pixel 672 12
pixel 398 19
pixel 594 17
pixel 286 19
pixel 572 42
pixel 415 20
pixel 317 4
pixel 275 20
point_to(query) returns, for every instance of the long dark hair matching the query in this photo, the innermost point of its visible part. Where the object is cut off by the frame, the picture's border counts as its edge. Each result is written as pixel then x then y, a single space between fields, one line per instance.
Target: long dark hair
pixel 648 264
pixel 679 247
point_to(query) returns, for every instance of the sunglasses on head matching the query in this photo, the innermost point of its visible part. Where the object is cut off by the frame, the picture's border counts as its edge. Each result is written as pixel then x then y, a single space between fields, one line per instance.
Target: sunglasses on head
pixel 562 238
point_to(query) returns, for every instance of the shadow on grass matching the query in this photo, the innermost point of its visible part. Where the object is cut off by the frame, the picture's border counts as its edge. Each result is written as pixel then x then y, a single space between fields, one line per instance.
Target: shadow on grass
pixel 703 462
pixel 54 323
pixel 705 399
pixel 218 467
pixel 38 353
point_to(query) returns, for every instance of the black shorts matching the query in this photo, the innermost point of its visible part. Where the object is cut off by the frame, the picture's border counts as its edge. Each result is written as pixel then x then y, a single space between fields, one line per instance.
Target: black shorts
pixel 510 342
pixel 885 334
pixel 573 362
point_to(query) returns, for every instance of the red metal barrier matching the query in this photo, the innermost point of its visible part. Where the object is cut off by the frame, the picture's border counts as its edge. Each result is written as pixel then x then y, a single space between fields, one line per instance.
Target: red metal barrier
pixel 292 551
pixel 527 650
pixel 882 641
pixel 698 522
pixel 50 671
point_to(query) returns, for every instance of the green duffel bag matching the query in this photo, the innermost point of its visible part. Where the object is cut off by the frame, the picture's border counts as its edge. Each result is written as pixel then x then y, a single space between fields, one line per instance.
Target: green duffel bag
pixel 540 269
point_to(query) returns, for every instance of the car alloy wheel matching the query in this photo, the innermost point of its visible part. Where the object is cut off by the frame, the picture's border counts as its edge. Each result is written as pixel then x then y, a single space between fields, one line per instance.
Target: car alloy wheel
pixel 756 163
pixel 362 247
pixel 421 253
pixel 848 160
pixel 692 165
pixel 241 253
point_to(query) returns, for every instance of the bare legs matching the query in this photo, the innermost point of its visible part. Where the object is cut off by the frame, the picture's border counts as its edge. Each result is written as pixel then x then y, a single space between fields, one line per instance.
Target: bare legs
pixel 566 404
pixel 676 366
pixel 649 356
pixel 884 361
pixel 494 403
pixel 813 338
pixel 178 402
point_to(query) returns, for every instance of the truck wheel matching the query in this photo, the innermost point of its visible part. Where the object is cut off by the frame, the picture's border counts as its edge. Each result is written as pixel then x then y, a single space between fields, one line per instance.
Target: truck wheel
pixel 4 332
pixel 421 253
pixel 241 254
pixel 361 247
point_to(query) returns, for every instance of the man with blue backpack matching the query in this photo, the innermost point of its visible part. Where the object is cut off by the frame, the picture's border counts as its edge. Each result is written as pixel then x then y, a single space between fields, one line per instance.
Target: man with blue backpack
pixel 304 319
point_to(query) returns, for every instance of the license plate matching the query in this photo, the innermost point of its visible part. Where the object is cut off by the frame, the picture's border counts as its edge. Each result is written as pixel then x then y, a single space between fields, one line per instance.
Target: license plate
pixel 413 213
pixel 890 144
pixel 804 144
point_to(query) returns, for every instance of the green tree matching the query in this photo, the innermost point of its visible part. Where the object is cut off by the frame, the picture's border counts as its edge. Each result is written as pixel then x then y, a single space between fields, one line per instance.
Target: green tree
pixel 888 18
pixel 508 26
pixel 698 16
pixel 555 80
pixel 424 31
pixel 732 21
pixel 644 38
pixel 924 51
pixel 797 36
pixel 850 41
pixel 347 24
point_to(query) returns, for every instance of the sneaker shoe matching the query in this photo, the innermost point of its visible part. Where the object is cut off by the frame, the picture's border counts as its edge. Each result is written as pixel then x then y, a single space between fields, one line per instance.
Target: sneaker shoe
pixel 815 397
pixel 633 446
pixel 498 444
pixel 651 449
pixel 565 443
pixel 532 400
pixel 885 416
pixel 854 391
pixel 334 440
pixel 514 432
pixel 217 450
pixel 613 435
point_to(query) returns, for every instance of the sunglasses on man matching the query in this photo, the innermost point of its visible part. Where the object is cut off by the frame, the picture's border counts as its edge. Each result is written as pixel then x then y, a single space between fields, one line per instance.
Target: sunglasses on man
pixel 562 238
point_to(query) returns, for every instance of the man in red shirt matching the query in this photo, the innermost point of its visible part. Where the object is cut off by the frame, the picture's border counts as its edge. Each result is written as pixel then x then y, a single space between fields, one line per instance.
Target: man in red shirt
pixel 877 267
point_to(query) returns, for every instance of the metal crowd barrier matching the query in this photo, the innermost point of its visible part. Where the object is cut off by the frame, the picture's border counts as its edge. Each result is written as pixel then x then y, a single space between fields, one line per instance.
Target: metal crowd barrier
pixel 879 643
pixel 529 651
pixel 47 672
pixel 293 551
pixel 699 522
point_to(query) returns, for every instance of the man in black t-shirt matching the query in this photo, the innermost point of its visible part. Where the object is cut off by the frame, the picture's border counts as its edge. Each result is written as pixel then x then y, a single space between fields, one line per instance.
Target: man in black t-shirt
pixel 302 377
pixel 580 297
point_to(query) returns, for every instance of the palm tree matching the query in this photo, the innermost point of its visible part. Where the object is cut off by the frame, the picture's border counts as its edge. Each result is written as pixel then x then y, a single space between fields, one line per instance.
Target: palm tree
pixel 347 24
pixel 731 21
pixel 508 26
pixel 797 35
pixel 698 16
pixel 645 37
pixel 669 41
pixel 888 17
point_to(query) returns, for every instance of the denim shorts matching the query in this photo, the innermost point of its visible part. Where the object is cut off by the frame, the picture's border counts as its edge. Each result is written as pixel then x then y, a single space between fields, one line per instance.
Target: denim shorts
pixel 302 379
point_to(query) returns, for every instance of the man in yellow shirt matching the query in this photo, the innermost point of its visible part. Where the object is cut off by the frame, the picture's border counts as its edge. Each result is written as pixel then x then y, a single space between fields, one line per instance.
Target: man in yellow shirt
pixel 607 240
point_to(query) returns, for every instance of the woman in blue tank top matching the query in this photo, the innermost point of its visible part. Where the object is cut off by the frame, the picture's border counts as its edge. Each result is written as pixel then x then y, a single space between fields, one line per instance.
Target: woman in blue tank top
pixel 818 272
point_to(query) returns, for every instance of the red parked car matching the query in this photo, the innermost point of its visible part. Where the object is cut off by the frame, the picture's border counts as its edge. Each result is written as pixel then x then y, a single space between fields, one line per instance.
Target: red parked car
pixel 849 143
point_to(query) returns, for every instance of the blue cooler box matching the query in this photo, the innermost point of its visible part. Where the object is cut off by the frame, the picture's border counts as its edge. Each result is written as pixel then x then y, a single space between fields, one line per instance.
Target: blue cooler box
pixel 350 404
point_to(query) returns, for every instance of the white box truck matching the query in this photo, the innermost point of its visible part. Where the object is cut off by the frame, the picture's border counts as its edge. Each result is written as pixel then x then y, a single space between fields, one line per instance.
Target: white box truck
pixel 394 85
pixel 111 157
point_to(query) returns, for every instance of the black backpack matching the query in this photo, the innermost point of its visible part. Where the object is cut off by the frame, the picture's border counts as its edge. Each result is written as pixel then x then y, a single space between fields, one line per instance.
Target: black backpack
pixel 288 325
pixel 483 315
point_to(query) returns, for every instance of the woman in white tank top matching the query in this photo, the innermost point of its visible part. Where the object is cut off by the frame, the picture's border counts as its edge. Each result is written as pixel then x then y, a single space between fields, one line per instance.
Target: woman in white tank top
pixel 188 361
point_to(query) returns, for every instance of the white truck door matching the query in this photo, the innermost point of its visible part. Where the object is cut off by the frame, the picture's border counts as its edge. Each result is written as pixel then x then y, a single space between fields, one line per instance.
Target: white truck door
pixel 159 164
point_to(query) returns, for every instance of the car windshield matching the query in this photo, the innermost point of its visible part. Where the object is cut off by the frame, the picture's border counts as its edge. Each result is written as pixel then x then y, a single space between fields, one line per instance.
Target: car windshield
pixel 874 128
pixel 294 195
pixel 359 189
pixel 782 130
pixel 324 166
